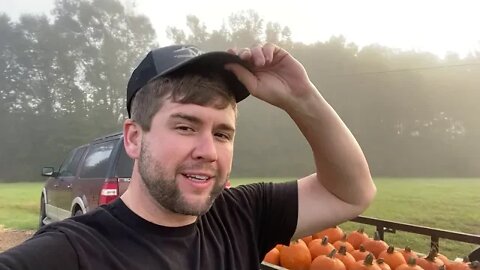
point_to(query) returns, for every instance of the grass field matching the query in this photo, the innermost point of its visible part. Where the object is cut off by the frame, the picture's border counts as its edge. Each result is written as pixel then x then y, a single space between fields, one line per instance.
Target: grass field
pixel 19 205
pixel 450 204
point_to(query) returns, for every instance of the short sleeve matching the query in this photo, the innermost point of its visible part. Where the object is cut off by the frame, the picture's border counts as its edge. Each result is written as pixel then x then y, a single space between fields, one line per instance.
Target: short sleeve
pixel 48 250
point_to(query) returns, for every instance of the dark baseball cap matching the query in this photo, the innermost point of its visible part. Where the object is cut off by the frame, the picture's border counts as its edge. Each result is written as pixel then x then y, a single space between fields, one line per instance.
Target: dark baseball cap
pixel 163 61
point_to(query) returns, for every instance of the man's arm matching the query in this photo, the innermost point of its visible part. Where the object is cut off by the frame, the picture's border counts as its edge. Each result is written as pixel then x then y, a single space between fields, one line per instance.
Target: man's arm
pixel 49 250
pixel 342 186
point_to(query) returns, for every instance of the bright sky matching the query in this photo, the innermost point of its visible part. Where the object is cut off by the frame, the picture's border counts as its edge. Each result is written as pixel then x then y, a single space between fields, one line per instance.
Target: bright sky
pixel 423 25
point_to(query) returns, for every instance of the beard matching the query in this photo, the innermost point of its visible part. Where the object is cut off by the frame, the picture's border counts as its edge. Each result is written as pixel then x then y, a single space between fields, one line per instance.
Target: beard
pixel 163 186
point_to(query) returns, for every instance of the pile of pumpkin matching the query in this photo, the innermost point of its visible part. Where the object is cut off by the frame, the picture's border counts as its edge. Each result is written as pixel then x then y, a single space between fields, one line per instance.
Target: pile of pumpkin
pixel 332 249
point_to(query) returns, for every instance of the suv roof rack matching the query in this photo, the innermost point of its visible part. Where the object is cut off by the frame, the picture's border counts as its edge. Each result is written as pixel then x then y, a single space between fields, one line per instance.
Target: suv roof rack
pixel 109 136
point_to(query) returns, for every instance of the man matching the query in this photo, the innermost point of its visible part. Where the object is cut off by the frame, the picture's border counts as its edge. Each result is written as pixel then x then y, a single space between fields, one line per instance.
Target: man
pixel 176 213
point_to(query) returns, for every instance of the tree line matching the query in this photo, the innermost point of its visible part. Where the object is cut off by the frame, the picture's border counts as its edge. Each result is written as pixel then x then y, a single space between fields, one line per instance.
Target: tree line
pixel 64 83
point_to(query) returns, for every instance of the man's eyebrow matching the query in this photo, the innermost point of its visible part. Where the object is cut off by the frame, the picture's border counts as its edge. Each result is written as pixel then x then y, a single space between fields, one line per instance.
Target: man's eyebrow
pixel 226 127
pixel 189 118
pixel 196 120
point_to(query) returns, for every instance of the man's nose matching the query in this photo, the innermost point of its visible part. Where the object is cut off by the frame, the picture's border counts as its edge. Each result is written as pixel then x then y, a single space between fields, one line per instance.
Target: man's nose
pixel 205 148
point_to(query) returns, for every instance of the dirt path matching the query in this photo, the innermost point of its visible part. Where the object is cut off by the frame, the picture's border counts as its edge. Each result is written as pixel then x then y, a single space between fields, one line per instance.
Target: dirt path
pixel 10 238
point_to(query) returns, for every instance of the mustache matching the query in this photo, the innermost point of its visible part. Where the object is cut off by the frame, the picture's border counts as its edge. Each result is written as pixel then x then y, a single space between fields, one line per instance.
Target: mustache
pixel 201 166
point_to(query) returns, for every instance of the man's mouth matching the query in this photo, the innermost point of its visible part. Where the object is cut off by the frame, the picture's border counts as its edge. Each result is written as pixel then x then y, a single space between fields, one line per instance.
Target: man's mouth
pixel 197 177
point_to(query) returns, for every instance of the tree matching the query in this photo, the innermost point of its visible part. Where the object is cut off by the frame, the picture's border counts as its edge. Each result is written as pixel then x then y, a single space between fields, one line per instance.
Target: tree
pixel 107 42
pixel 65 80
pixel 275 34
pixel 243 29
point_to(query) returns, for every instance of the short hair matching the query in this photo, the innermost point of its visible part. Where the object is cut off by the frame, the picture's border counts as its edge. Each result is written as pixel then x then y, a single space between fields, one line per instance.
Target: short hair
pixel 180 87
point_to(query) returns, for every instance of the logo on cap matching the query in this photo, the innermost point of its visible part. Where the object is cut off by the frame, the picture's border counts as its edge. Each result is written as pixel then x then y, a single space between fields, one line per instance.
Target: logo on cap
pixel 187 52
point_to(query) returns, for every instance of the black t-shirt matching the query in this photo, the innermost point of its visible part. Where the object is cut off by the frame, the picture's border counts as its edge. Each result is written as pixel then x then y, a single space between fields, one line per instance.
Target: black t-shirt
pixel 243 224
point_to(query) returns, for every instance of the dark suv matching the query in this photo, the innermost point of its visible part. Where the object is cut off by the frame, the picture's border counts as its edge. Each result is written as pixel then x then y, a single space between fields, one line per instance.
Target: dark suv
pixel 91 175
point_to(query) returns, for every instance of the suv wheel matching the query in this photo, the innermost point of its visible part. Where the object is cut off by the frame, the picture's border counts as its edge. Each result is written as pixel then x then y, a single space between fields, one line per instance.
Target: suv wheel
pixel 42 214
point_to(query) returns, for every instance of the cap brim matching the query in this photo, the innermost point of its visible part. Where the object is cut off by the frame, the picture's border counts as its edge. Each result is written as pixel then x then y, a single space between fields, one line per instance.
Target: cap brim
pixel 214 61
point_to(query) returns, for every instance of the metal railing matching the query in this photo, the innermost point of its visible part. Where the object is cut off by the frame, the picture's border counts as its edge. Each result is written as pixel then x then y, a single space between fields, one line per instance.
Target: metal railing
pixel 383 226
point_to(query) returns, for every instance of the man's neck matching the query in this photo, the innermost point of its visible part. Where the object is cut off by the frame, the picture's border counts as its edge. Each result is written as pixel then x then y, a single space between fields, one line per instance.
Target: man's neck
pixel 139 200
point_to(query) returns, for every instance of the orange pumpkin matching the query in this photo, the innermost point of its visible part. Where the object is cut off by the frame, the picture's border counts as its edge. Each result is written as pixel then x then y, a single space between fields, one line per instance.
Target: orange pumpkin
pixel 320 247
pixel 273 256
pixel 360 254
pixel 343 242
pixel 296 256
pixel 307 239
pixel 367 264
pixel 347 258
pixel 463 265
pixel 375 245
pixel 410 265
pixel 407 253
pixel 333 233
pixel 279 247
pixel 431 262
pixel 446 261
pixel 329 262
pixel 392 257
pixel 356 238
pixel 383 265
pixel 475 265
pixel 458 266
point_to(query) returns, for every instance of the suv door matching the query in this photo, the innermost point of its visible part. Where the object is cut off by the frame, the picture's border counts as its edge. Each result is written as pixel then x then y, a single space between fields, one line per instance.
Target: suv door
pixel 55 190
pixel 64 195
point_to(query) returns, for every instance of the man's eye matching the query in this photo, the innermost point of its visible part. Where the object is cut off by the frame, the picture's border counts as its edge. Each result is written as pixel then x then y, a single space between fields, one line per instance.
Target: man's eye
pixel 223 136
pixel 184 128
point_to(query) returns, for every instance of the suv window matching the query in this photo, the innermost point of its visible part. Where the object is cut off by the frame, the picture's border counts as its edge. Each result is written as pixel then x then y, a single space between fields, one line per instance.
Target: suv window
pixel 124 165
pixel 96 161
pixel 69 166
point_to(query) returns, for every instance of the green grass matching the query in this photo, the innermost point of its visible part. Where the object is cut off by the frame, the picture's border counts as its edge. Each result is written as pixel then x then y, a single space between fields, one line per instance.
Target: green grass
pixel 449 204
pixel 19 205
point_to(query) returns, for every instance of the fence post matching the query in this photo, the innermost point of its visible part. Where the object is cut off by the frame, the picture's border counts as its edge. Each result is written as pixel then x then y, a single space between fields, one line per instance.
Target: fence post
pixel 381 232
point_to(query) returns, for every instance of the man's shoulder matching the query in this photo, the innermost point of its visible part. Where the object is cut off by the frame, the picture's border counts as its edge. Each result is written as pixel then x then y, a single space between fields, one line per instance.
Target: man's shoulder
pixel 239 194
pixel 248 197
pixel 257 189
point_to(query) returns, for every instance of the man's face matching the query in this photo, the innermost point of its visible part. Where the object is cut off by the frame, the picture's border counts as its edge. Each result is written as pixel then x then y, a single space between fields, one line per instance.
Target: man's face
pixel 186 157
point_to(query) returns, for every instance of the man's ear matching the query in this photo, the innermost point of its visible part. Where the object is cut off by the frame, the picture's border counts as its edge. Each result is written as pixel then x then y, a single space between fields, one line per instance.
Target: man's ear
pixel 132 138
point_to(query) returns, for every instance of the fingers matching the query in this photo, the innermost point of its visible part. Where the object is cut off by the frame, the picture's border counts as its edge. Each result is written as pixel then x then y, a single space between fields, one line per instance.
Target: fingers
pixel 245 54
pixel 258 55
pixel 268 50
pixel 243 75
pixel 259 58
